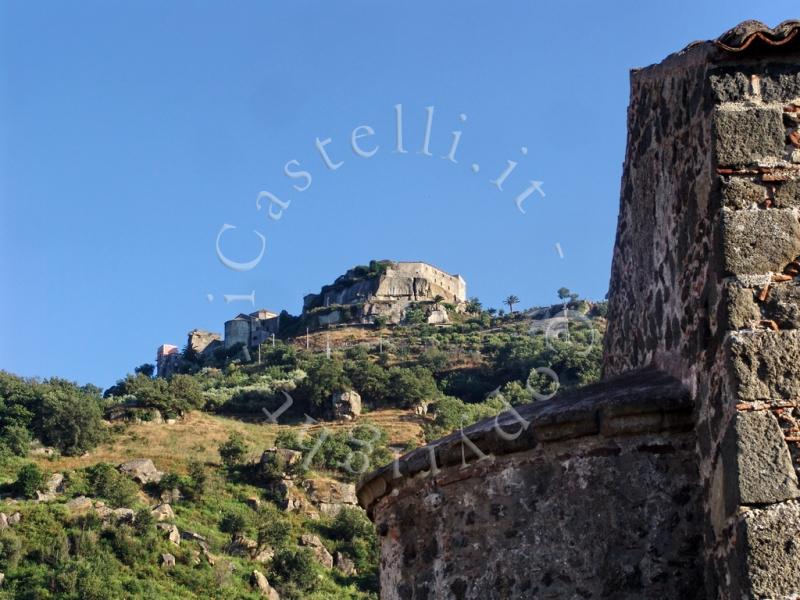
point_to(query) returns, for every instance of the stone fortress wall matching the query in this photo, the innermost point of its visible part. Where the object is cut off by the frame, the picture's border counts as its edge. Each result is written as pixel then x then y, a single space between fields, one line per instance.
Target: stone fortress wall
pixel 251 329
pixel 402 281
pixel 677 477
pixel 452 287
pixel 386 295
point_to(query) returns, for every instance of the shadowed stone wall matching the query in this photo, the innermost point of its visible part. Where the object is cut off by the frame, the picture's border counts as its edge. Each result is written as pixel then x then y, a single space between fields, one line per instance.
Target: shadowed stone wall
pixel 703 286
pixel 678 476
pixel 591 495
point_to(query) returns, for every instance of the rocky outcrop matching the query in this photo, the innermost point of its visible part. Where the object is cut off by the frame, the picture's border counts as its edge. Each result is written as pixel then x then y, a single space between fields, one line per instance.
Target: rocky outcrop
pixel 438 316
pixel 141 470
pixel 171 531
pixel 346 406
pixel 241 545
pixel 344 564
pixel 279 460
pixel 79 505
pixel 204 342
pixel 52 488
pixel 287 496
pixel 163 512
pixel 313 543
pixel 384 290
pixel 260 582
pixel 330 496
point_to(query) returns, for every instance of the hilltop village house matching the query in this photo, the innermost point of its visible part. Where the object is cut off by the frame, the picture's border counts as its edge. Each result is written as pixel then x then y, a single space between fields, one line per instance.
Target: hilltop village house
pixel 383 290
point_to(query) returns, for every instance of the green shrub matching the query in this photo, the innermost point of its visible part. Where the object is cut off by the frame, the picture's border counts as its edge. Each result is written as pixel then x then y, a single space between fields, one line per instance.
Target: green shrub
pixel 109 484
pixel 234 521
pixel 324 377
pixel 197 483
pixel 29 480
pixel 295 570
pixel 145 521
pixel 233 451
pixel 10 549
pixel 356 537
pixel 17 438
pixel 274 529
pixel 70 419
pixel 411 386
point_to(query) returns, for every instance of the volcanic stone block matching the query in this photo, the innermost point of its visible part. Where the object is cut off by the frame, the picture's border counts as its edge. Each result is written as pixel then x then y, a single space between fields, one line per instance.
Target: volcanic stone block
pixel 729 85
pixel 787 194
pixel 759 241
pixel 749 136
pixel 764 365
pixel 738 192
pixel 783 305
pixel 781 83
pixel 769 542
pixel 741 309
pixel 757 456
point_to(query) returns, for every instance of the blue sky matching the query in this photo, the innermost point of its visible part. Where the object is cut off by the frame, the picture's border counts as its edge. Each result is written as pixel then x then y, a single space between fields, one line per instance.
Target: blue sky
pixel 132 132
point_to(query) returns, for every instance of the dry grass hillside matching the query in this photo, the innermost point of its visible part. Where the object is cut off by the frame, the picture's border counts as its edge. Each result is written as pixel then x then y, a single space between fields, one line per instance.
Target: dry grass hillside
pixel 198 435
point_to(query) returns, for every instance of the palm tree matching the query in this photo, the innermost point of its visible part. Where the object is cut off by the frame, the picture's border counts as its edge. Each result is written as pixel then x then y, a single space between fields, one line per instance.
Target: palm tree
pixel 511 301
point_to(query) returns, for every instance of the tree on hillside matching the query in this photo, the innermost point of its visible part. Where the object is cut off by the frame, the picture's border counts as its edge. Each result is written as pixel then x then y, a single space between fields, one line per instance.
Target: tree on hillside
pixel 474 305
pixel 146 369
pixel 233 451
pixel 70 419
pixel 324 377
pixel 511 301
pixel 565 294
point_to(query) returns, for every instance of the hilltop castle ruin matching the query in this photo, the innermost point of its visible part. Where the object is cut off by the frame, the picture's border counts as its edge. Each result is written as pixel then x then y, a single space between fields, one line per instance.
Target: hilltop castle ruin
pixel 383 290
pixel 677 475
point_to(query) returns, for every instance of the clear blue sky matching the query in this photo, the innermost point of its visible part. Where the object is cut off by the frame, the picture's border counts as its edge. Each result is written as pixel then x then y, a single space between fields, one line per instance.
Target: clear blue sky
pixel 131 132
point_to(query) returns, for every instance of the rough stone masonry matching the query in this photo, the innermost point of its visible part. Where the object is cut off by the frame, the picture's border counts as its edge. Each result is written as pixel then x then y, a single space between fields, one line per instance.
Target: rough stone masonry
pixel 677 476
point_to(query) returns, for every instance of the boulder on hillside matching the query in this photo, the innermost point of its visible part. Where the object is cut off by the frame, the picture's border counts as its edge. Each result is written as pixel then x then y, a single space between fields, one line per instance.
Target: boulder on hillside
pixel 241 545
pixel 193 536
pixel 124 515
pixel 344 564
pixel 172 532
pixel 330 496
pixel 79 504
pixel 163 512
pixel 438 316
pixel 290 498
pixel 313 543
pixel 264 554
pixel 43 451
pixel 346 406
pixel 279 459
pixel 142 470
pixel 260 582
pixel 55 484
pixel 52 487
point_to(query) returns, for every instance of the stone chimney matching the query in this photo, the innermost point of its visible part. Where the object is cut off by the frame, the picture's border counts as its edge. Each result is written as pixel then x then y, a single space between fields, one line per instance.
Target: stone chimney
pixel 704 285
